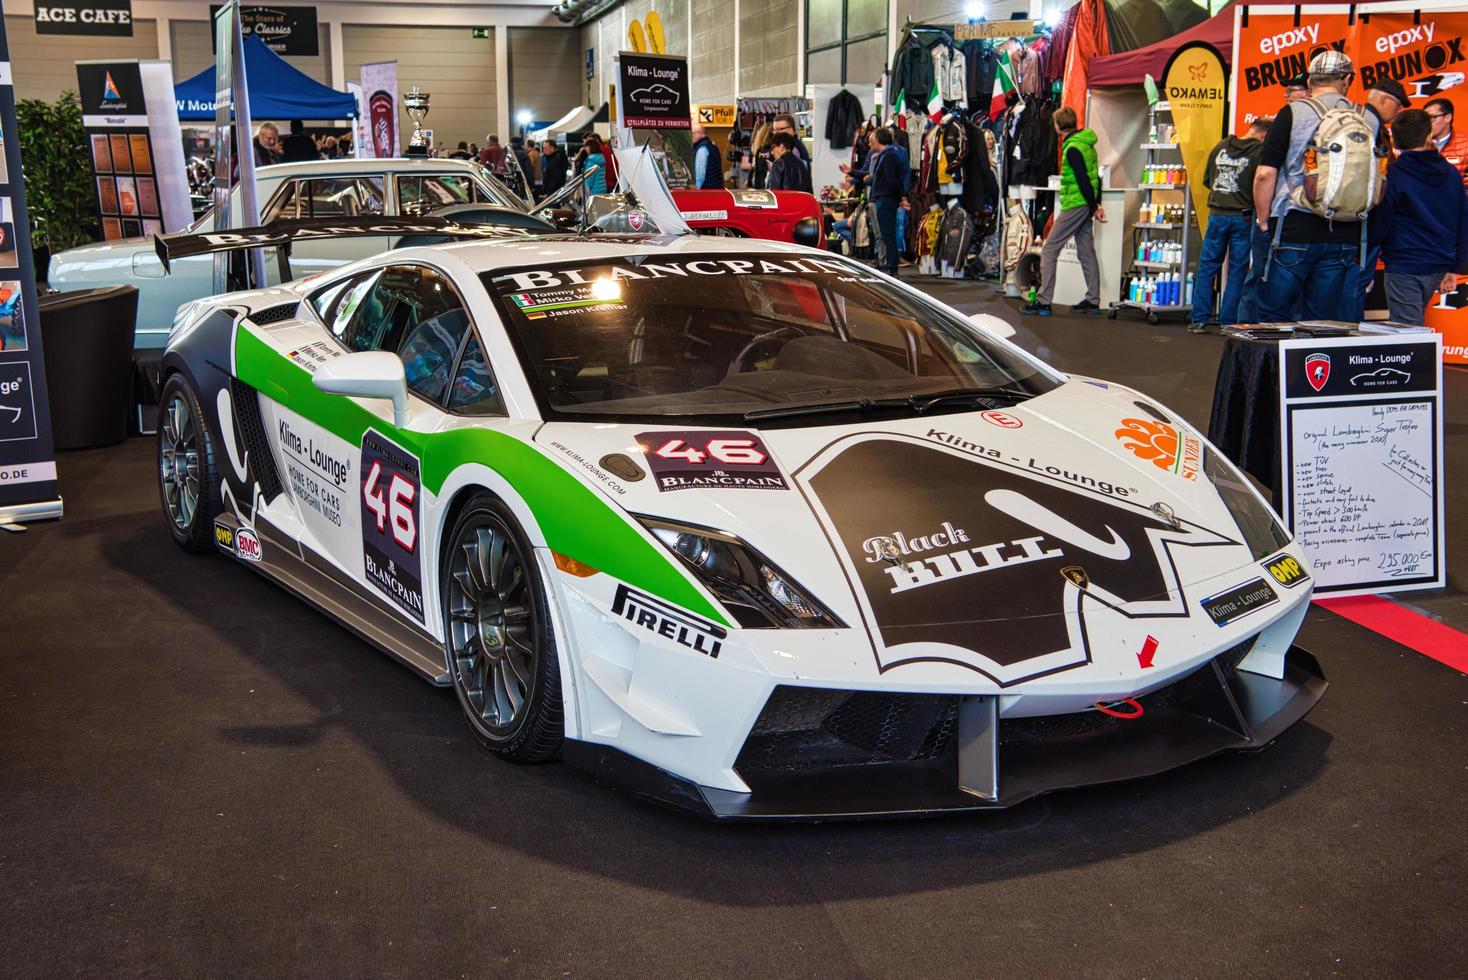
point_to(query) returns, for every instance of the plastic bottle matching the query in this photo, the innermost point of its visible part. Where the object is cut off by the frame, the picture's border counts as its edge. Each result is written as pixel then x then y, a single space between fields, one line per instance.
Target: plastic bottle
pixel 1188 297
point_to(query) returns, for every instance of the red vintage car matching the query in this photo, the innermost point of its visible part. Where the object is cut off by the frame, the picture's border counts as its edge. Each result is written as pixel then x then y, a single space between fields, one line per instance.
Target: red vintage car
pixel 781 216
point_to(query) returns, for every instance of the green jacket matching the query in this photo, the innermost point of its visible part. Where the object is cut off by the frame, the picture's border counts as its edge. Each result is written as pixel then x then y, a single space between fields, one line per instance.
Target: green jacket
pixel 1073 192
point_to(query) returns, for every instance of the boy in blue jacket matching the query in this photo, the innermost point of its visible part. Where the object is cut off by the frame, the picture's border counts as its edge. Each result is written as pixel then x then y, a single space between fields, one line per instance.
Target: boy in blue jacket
pixel 1421 222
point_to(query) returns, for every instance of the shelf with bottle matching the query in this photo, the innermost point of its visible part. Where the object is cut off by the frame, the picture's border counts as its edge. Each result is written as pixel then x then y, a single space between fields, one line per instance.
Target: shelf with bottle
pixel 1155 145
pixel 1169 291
pixel 1161 216
pixel 1158 253
pixel 1164 176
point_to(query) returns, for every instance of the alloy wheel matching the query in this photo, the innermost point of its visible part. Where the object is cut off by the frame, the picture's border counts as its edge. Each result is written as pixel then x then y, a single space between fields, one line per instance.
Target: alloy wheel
pixel 178 462
pixel 492 632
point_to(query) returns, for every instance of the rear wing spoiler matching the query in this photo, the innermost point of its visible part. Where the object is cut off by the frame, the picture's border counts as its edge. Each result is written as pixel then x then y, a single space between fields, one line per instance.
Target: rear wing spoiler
pixel 283 232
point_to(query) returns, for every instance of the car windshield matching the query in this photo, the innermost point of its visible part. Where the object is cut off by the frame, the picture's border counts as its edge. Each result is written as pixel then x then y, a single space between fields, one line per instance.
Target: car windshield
pixel 743 335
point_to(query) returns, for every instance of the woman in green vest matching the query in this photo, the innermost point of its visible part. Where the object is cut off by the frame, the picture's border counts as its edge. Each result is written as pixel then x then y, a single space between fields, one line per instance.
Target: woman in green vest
pixel 1080 203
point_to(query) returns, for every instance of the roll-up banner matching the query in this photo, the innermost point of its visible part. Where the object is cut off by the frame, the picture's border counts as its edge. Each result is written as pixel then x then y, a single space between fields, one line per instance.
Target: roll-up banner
pixel 28 489
pixel 1424 49
pixel 654 89
pixel 1196 84
pixel 136 154
pixel 379 110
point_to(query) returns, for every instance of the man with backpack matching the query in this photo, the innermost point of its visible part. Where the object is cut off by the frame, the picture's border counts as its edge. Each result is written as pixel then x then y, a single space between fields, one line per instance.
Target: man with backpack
pixel 1319 176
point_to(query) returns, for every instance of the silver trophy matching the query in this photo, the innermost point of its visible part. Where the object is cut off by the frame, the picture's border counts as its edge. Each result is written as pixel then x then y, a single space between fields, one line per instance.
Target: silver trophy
pixel 416 103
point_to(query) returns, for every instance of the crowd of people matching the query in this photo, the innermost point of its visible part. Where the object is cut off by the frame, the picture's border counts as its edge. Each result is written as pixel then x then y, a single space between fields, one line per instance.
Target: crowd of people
pixel 1282 255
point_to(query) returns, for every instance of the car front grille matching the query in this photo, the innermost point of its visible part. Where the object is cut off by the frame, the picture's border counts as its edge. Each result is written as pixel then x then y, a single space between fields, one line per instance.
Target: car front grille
pixel 274 314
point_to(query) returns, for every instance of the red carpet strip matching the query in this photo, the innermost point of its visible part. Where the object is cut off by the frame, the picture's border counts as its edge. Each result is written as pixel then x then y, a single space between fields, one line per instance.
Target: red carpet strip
pixel 1411 629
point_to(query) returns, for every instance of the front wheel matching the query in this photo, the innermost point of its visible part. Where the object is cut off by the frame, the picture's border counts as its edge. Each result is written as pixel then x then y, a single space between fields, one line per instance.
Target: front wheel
pixel 498 637
pixel 188 485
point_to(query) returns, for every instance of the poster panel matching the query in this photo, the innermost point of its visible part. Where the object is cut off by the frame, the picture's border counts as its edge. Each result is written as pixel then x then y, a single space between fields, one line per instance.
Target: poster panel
pixel 654 91
pixel 380 93
pixel 1362 460
pixel 104 18
pixel 285 30
pixel 1196 85
pixel 121 158
pixel 28 488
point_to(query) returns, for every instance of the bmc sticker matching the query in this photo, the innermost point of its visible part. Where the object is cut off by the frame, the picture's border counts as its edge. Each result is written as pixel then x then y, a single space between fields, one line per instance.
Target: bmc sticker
pixel 1286 569
pixel 247 545
pixel 1239 601
pixel 390 491
pixel 710 460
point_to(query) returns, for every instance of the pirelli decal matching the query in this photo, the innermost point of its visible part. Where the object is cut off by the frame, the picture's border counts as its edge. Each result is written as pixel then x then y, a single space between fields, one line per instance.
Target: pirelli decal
pixel 669 621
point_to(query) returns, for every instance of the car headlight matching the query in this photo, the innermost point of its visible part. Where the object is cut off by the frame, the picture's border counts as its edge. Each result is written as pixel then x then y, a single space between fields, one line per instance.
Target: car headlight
pixel 1257 523
pixel 754 589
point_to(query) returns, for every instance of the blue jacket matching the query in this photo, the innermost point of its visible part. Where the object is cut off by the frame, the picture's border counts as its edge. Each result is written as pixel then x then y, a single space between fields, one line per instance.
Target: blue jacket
pixel 888 177
pixel 1421 223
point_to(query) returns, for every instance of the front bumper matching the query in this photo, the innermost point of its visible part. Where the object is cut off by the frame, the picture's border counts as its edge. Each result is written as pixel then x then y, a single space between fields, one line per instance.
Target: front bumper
pixel 818 754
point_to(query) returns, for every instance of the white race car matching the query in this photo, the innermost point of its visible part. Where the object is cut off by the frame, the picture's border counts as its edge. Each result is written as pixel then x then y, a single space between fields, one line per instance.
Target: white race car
pixel 740 526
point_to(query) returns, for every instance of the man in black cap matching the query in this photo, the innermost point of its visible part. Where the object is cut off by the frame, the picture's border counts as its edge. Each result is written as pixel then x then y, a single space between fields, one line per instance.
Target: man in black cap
pixel 1385 99
pixel 1298 88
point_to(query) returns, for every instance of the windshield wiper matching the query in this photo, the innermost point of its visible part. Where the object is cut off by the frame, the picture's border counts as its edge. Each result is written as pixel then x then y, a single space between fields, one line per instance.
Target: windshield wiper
pixel 918 403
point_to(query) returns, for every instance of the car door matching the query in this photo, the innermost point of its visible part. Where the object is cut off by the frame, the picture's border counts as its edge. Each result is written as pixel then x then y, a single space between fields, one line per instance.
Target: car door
pixel 361 503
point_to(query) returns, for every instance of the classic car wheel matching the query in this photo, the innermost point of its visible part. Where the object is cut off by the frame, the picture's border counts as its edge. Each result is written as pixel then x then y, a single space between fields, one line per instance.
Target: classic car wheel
pixel 188 485
pixel 499 641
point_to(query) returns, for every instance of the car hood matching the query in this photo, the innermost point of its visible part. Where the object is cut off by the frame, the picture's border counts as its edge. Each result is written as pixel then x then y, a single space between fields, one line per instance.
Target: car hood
pixel 986 532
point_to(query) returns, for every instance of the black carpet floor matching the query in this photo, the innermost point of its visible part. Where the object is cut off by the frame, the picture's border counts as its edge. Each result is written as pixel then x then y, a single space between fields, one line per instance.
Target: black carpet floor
pixel 200 776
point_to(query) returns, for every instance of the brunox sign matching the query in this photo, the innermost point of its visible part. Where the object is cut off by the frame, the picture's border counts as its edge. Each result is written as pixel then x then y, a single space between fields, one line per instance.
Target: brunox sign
pixel 1426 51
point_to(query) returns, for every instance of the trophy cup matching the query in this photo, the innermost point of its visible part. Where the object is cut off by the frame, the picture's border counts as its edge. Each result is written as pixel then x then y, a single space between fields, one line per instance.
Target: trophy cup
pixel 416 103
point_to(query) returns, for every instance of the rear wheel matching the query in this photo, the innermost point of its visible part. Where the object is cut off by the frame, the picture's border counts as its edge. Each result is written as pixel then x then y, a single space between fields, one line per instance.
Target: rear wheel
pixel 188 485
pixel 500 645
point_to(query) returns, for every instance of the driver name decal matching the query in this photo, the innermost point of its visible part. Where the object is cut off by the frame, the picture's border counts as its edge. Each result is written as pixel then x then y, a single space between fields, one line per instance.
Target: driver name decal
pixel 390 497
pixel 709 460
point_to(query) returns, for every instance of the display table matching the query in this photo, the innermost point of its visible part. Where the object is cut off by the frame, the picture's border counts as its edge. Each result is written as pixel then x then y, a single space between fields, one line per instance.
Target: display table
pixel 1120 205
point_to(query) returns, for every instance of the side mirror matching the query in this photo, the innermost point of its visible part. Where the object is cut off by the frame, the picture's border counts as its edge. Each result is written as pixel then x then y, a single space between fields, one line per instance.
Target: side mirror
pixel 564 218
pixel 990 323
pixel 367 374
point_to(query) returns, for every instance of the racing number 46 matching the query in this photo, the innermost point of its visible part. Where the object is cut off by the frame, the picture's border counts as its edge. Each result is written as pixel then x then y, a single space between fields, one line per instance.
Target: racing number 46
pixel 734 452
pixel 395 504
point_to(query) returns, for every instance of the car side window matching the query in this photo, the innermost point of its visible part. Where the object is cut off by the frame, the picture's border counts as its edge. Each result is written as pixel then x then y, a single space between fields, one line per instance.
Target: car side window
pixel 429 350
pixel 421 194
pixel 474 391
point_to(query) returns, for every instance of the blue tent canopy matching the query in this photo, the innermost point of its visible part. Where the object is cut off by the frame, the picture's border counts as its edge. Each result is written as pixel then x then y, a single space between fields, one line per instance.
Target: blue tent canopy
pixel 277 91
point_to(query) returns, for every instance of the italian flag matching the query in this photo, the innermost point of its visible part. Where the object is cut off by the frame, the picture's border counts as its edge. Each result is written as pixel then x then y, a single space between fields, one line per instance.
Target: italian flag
pixel 1003 84
pixel 935 102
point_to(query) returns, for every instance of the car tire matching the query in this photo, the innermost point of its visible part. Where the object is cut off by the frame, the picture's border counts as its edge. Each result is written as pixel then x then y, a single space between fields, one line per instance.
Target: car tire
pixel 498 638
pixel 188 483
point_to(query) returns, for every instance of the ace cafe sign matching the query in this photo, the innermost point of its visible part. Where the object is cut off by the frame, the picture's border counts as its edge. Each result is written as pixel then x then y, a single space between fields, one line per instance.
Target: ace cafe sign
pixel 110 18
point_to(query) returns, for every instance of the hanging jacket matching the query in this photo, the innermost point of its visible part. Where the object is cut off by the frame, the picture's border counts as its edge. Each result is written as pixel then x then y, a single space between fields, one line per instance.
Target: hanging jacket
pixel 912 77
pixel 948 70
pixel 843 116
pixel 981 64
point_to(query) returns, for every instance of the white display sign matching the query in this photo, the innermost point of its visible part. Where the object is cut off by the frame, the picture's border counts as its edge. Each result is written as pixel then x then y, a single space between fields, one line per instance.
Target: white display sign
pixel 1362 443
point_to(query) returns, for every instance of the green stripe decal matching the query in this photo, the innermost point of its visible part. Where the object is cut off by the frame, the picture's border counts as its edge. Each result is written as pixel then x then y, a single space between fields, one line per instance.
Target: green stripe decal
pixel 575 520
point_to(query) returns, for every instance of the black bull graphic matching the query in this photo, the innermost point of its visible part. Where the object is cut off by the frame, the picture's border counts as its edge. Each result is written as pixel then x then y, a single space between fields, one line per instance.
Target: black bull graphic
pixel 978 557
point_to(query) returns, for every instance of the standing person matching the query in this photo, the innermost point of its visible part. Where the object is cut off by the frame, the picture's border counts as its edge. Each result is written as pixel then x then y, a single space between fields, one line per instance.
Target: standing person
pixel 1080 204
pixel 493 155
pixel 1311 257
pixel 1422 222
pixel 888 183
pixel 787 172
pixel 536 172
pixel 1385 99
pixel 785 123
pixel 267 145
pixel 462 153
pixel 1451 144
pixel 597 182
pixel 298 146
pixel 1230 179
pixel 708 168
pixel 1297 88
pixel 553 166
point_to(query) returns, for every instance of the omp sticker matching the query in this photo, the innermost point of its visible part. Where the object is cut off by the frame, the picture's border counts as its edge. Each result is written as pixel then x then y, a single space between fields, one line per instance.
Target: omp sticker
pixel 1286 570
pixel 391 492
pixel 224 536
pixel 705 460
